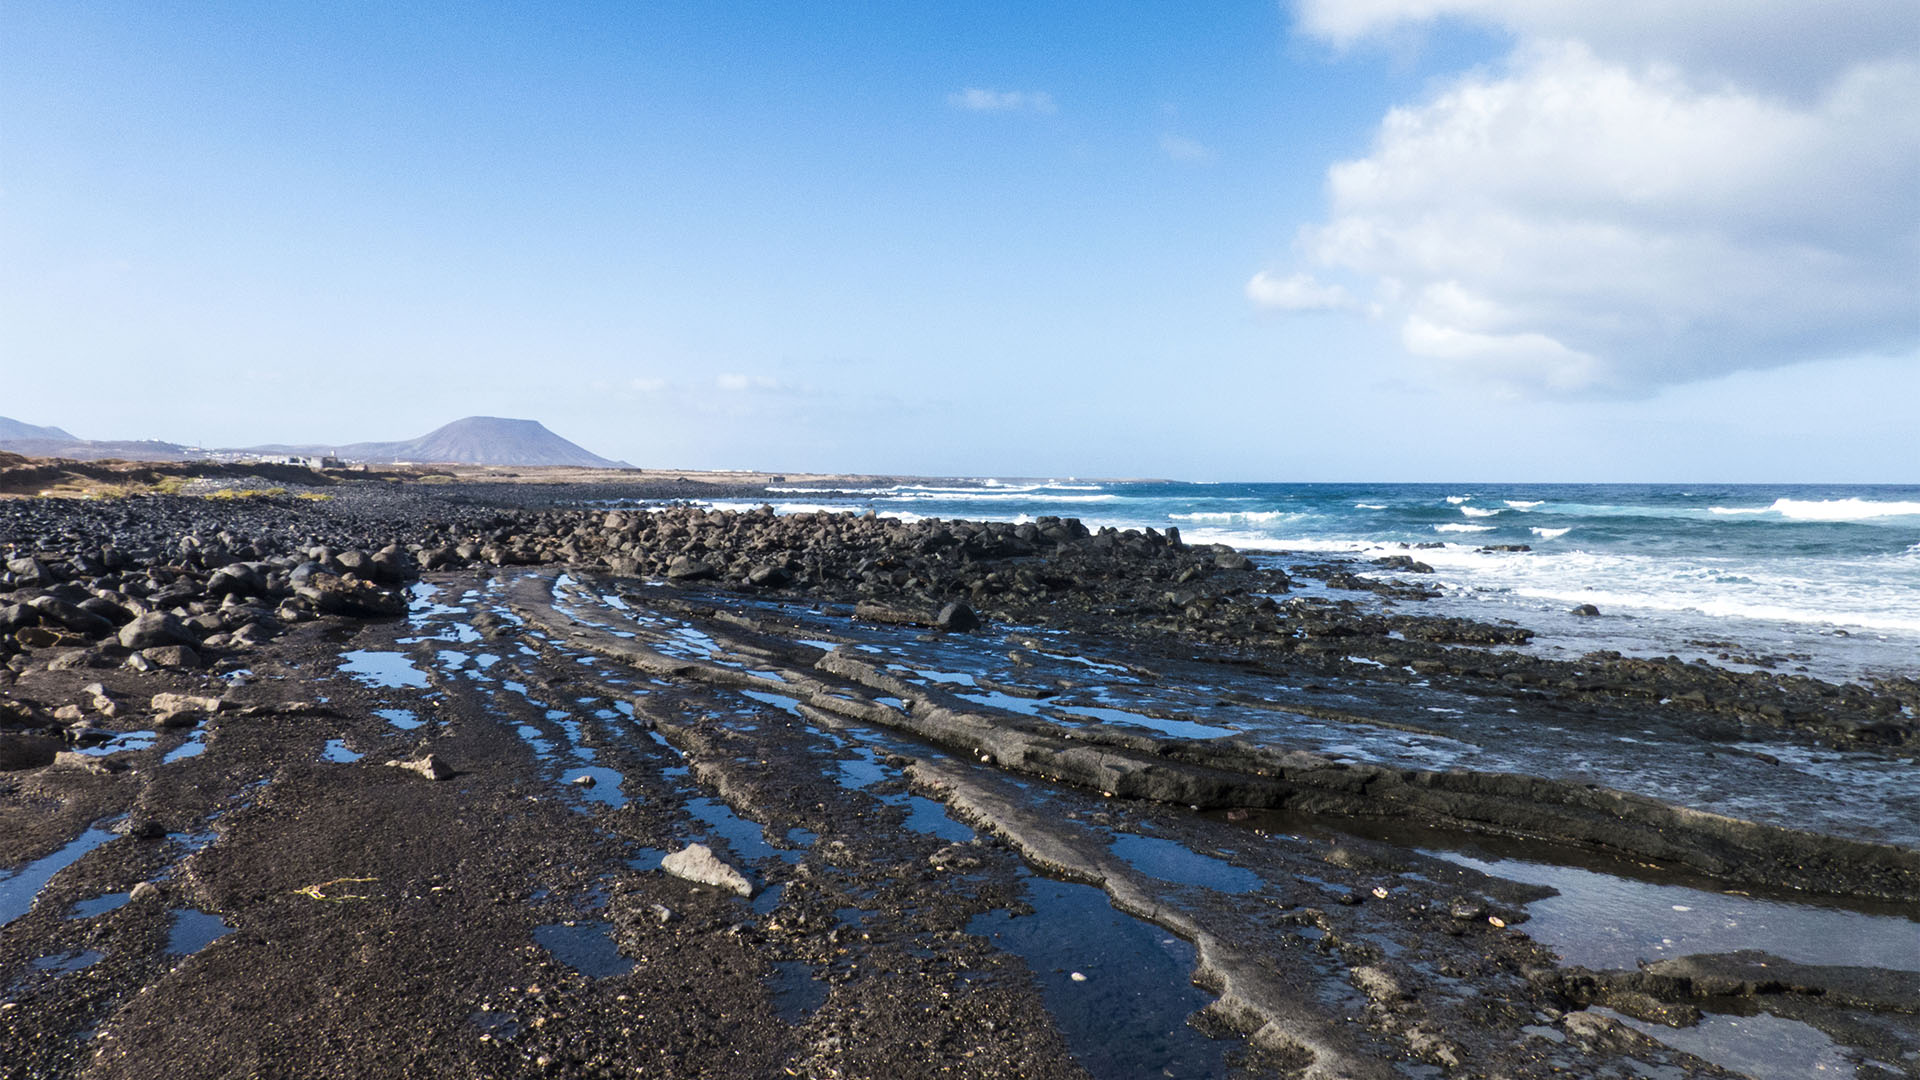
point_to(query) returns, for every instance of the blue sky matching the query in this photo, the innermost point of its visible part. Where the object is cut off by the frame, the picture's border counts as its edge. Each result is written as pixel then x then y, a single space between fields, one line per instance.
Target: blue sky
pixel 1390 239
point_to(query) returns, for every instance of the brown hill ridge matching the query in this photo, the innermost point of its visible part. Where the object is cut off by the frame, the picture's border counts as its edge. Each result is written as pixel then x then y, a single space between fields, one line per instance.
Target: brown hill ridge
pixel 475 440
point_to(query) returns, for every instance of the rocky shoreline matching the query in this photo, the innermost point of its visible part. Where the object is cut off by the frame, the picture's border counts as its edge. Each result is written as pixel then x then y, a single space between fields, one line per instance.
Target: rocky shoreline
pixel 68 579
pixel 165 614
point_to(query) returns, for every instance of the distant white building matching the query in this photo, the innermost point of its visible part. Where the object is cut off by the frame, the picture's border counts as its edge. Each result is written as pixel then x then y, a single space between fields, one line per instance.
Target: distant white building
pixel 303 460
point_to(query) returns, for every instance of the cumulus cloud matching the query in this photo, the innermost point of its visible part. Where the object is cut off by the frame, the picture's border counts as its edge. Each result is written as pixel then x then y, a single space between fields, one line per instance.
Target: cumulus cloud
pixel 1611 207
pixel 975 99
pixel 1295 292
pixel 1776 45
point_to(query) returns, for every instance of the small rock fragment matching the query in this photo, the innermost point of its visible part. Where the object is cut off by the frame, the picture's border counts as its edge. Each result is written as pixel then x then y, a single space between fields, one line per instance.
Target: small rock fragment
pixel 430 767
pixel 696 863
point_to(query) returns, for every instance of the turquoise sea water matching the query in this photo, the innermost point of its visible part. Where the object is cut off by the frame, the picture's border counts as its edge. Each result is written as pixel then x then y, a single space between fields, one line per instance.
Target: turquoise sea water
pixel 1821 576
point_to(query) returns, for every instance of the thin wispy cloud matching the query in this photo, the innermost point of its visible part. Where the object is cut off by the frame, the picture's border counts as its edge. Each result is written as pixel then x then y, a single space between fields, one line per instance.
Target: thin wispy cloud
pixel 733 382
pixel 1181 148
pixel 1296 292
pixel 976 99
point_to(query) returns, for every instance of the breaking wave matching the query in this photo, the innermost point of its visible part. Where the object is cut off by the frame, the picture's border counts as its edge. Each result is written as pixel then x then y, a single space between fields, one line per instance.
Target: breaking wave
pixel 1853 509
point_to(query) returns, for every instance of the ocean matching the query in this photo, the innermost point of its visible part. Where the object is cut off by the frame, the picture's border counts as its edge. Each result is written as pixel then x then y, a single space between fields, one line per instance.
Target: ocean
pixel 1821 579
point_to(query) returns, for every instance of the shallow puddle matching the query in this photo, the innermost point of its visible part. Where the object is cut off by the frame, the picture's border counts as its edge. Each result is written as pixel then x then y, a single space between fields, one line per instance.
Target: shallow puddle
pixel 924 815
pixel 785 704
pixel 193 747
pixel 126 741
pixel 747 839
pixel 100 905
pixel 605 788
pixel 63 963
pixel 194 930
pixel 1125 1014
pixel 1762 1046
pixel 404 719
pixel 336 750
pixel 1179 729
pixel 1601 921
pixel 390 670
pixel 1175 862
pixel 18 888
pixel 796 993
pixel 863 771
pixel 1006 702
pixel 533 737
pixel 586 947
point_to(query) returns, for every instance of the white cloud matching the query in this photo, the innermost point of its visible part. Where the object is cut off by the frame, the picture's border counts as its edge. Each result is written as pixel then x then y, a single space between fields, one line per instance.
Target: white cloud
pixel 1775 44
pixel 1296 292
pixel 1569 220
pixel 646 385
pixel 1181 148
pixel 734 382
pixel 974 99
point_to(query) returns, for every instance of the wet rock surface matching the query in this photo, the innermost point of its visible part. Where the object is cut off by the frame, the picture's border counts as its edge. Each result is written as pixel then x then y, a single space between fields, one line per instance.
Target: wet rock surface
pixel 935 753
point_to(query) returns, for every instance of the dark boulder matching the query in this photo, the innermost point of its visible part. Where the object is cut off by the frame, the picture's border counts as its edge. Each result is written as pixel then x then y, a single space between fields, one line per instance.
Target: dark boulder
pixel 29 571
pixel 350 596
pixel 957 617
pixel 769 577
pixel 238 579
pixel 1404 562
pixel 171 656
pixel 72 616
pixel 154 629
pixel 688 568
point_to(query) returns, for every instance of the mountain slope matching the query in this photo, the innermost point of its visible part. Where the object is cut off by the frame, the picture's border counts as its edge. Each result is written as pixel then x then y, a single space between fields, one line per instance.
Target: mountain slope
pixel 476 440
pixel 12 430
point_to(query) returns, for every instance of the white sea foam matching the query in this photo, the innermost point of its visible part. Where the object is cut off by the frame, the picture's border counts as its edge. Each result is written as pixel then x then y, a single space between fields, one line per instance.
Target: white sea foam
pixel 989 487
pixel 1458 499
pixel 1854 509
pixel 1252 517
pixel 1723 607
pixel 1369 506
pixel 1523 504
pixel 1474 511
pixel 784 508
pixel 1462 528
pixel 1874 593
pixel 1863 597
pixel 1011 495
pixel 1550 534
pixel 1842 509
